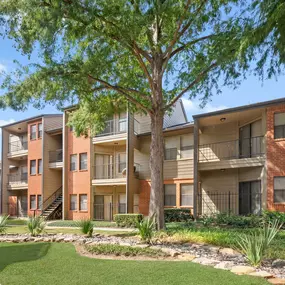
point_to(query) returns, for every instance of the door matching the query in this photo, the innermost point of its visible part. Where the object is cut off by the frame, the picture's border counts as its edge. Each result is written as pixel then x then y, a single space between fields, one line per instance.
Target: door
pixel 250 198
pixel 122 204
pixel 103 166
pixel 108 208
pixel 24 174
pixel 122 126
pixel 103 208
pixel 22 206
pixel 244 141
pixel 122 162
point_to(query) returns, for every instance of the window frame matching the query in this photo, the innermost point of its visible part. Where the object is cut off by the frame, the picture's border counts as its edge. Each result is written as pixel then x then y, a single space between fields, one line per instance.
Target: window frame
pixel 39 202
pixel 165 186
pixel 170 157
pixel 279 127
pixel 40 166
pixel 35 201
pixel 70 162
pixel 80 161
pixel 274 190
pixel 33 132
pixel 70 202
pixel 181 195
pixel 80 208
pixel 35 166
pixel 40 132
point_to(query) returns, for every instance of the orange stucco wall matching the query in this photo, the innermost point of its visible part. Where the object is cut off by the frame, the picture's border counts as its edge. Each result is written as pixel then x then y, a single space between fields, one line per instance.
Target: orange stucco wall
pixel 145 193
pixel 275 152
pixel 34 153
pixel 79 181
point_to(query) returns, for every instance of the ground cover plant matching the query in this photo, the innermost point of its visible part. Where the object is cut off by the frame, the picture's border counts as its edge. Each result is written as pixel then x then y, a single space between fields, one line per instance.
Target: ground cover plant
pixel 86 227
pixel 58 263
pixel 120 250
pixel 3 223
pixel 146 229
pixel 60 223
pixel 36 225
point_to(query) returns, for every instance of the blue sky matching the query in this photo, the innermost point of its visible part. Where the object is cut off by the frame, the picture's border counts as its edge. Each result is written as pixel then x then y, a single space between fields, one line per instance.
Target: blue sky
pixel 252 90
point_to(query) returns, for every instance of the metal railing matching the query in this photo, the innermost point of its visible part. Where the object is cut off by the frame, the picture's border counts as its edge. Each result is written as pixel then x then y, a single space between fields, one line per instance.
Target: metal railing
pixel 241 148
pixel 49 200
pixel 113 127
pixel 55 156
pixel 244 203
pixel 17 146
pixel 19 178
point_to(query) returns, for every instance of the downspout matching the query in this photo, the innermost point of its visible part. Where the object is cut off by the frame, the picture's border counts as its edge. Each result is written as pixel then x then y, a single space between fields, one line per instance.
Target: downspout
pixel 43 156
pixel 63 164
pixel 196 157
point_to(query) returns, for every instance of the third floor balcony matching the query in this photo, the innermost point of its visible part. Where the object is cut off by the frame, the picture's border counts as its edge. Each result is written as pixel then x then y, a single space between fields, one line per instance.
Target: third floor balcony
pixel 56 159
pixel 17 149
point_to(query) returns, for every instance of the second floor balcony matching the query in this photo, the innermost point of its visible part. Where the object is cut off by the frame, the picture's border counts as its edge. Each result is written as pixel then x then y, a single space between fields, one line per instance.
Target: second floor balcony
pixel 17 148
pixel 18 180
pixel 56 159
pixel 232 150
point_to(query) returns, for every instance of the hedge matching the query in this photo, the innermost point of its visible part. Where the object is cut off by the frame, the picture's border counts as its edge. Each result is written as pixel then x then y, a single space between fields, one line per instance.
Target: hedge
pixel 127 220
pixel 177 215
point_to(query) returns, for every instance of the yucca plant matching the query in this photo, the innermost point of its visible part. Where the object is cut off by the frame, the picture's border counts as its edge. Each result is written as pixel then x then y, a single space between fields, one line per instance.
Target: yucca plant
pixel 86 227
pixel 255 244
pixel 146 229
pixel 36 225
pixel 3 223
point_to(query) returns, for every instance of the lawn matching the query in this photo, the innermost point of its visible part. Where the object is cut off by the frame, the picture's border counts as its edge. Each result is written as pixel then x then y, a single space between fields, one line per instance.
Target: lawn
pixel 226 237
pixel 103 224
pixel 56 263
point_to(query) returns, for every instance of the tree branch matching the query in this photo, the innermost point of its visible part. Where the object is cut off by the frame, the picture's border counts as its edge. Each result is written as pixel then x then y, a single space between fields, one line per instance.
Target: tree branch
pixel 199 77
pixel 121 90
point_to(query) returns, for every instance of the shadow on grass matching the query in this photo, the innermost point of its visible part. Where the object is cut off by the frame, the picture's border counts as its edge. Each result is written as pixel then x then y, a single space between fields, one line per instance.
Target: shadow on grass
pixel 22 252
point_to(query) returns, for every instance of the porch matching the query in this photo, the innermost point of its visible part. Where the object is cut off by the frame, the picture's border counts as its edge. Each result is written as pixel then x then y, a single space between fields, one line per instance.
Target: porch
pixel 18 203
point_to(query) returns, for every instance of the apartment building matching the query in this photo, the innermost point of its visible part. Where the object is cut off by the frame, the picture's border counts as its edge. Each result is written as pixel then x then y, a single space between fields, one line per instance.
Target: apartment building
pixel 31 165
pixel 239 161
pixel 226 161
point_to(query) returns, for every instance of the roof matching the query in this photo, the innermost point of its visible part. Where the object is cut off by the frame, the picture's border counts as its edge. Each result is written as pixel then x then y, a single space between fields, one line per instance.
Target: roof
pixel 241 108
pixel 31 119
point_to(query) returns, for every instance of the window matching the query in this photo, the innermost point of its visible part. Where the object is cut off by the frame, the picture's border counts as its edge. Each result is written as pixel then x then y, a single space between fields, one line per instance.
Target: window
pixel 122 157
pixel 186 195
pixel 83 202
pixel 39 202
pixel 83 161
pixel 186 147
pixel 73 202
pixel 170 154
pixel 33 134
pixel 40 166
pixel 40 130
pixel 279 189
pixel 279 125
pixel 170 195
pixel 73 162
pixel 33 202
pixel 33 169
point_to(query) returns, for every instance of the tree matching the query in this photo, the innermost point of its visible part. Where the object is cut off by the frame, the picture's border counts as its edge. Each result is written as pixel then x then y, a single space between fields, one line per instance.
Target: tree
pixel 146 54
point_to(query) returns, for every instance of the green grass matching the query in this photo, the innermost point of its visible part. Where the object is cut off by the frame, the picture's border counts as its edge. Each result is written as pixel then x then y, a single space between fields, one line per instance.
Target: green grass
pixel 121 250
pixel 103 224
pixel 17 222
pixel 226 237
pixel 44 263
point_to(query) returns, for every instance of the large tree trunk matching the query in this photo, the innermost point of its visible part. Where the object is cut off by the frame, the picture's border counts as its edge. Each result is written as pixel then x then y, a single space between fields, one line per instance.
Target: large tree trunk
pixel 156 203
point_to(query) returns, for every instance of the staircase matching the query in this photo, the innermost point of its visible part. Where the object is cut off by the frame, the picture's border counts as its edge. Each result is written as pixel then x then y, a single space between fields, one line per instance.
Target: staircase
pixel 52 206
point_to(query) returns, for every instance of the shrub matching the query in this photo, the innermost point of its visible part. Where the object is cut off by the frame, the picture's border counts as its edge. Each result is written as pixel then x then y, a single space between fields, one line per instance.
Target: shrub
pixel 270 216
pixel 177 215
pixel 86 227
pixel 121 250
pixel 36 225
pixel 146 229
pixel 255 244
pixel 127 220
pixel 3 223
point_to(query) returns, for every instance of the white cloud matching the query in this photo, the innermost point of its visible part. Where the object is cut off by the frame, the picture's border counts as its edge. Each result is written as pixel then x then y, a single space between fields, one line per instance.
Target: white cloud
pixel 192 107
pixel 2 67
pixel 6 122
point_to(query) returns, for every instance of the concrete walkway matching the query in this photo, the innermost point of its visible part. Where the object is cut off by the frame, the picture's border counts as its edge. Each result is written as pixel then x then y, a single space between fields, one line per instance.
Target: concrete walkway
pixel 97 228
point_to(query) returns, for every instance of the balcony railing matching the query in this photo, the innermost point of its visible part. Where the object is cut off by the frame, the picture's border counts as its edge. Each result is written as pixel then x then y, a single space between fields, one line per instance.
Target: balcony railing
pixel 113 127
pixel 55 156
pixel 17 146
pixel 17 178
pixel 111 171
pixel 242 148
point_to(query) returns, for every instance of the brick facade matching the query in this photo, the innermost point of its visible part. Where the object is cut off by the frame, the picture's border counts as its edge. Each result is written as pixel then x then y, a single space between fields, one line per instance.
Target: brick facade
pixel 275 154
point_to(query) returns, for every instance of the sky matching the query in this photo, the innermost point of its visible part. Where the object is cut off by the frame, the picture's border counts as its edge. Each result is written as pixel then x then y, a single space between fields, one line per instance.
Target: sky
pixel 250 91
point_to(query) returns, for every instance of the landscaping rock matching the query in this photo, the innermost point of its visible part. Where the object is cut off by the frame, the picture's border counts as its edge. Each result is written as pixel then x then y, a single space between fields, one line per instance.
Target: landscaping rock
pixel 214 249
pixel 278 263
pixel 241 270
pixel 276 281
pixel 228 251
pixel 225 265
pixel 169 251
pixel 206 261
pixel 263 274
pixel 186 257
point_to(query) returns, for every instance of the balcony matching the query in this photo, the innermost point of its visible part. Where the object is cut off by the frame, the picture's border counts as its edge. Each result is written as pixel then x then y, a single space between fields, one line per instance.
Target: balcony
pixel 232 154
pixel 17 149
pixel 112 174
pixel 56 159
pixel 17 181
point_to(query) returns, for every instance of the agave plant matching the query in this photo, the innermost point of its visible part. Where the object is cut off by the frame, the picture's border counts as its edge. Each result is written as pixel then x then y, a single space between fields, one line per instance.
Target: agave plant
pixel 146 229
pixel 36 225
pixel 86 227
pixel 3 223
pixel 255 244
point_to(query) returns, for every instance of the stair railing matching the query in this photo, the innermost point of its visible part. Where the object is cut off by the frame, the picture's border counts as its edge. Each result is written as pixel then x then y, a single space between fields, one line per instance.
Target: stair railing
pixel 49 200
